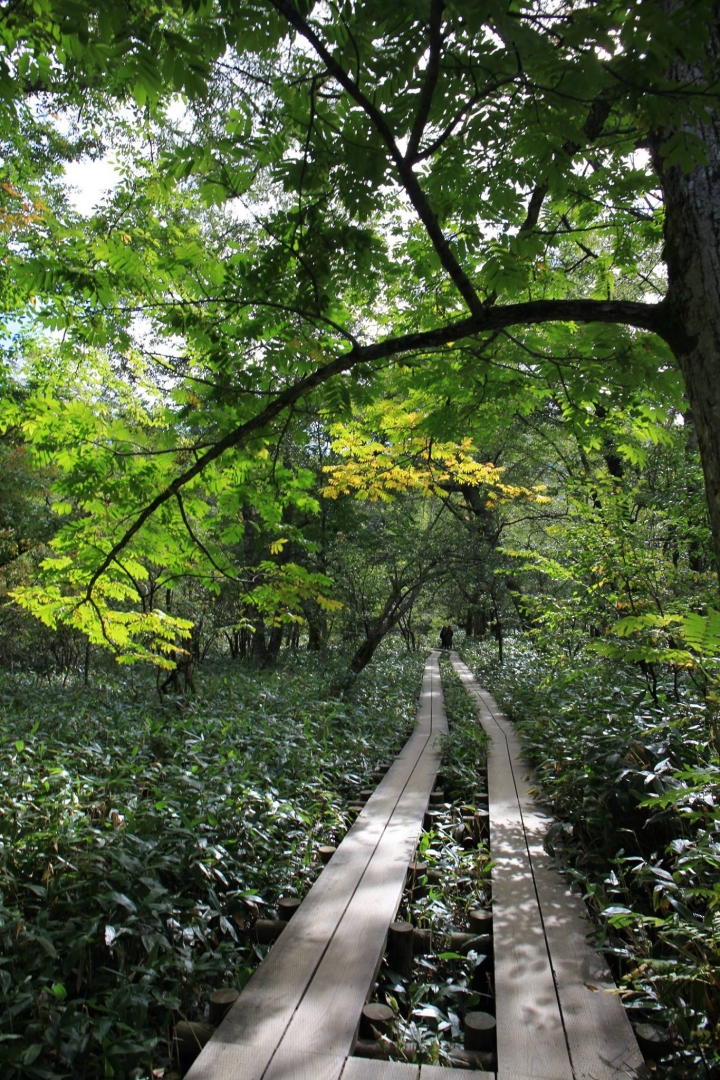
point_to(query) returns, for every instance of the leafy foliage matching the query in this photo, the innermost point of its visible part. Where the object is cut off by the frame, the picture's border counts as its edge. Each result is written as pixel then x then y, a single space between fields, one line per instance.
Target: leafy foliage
pixel 309 198
pixel 138 841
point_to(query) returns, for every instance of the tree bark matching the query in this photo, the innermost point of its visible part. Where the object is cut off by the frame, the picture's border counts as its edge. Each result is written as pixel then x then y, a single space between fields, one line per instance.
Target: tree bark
pixel 394 609
pixel 692 254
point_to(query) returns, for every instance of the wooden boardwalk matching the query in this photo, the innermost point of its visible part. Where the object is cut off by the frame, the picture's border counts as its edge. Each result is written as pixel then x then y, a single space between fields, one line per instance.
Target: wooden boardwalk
pixel 297 1018
pixel 557 1017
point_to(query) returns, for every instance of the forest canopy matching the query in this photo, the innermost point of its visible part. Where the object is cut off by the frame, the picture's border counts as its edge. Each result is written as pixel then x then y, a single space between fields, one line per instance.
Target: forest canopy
pixel 348 250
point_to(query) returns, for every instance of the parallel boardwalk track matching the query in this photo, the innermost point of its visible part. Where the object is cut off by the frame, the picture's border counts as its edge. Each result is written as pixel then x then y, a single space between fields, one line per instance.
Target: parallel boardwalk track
pixel 557 1015
pixel 557 1019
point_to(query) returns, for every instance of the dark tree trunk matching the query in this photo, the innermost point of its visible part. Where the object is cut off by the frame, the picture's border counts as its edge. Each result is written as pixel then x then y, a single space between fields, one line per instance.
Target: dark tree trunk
pixel 692 254
pixel 265 648
pixel 317 625
pixel 395 607
pixel 274 643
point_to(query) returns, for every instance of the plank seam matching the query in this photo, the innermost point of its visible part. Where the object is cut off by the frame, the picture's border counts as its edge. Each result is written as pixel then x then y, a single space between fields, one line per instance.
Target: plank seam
pixel 481 698
pixel 432 734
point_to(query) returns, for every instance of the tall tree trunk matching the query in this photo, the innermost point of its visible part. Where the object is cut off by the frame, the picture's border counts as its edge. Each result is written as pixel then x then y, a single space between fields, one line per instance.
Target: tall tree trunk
pixel 692 254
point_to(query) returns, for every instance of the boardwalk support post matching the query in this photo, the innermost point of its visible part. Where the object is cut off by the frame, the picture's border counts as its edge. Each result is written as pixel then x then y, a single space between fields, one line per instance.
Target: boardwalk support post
pixel 400 948
pixel 479 1031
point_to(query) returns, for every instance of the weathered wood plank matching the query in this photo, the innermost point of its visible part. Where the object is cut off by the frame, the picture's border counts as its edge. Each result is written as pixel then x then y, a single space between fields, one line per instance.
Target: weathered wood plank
pixel 261 1037
pixel 328 1016
pixel 530 1036
pixel 363 1069
pixel 302 1065
pixel 601 1040
pixel 437 1072
pixel 596 1034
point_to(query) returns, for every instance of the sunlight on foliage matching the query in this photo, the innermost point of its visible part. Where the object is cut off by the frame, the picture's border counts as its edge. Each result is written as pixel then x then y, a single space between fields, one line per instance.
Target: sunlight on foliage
pixel 403 459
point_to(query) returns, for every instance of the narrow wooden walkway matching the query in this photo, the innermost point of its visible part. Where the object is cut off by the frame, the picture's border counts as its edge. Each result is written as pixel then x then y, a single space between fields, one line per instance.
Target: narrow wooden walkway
pixel 557 1017
pixel 297 1017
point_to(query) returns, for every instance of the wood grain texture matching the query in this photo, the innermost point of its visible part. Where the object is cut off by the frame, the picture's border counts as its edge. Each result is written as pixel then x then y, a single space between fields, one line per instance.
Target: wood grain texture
pixel 534 913
pixel 327 1018
pixel 363 1069
pixel 437 1072
pixel 309 991
pixel 302 1065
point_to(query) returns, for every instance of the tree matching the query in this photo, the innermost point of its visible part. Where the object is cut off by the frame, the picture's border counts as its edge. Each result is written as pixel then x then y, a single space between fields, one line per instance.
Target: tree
pixel 412 185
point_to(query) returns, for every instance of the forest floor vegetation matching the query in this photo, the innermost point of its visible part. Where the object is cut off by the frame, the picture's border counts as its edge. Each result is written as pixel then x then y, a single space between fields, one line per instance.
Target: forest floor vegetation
pixel 633 784
pixel 139 840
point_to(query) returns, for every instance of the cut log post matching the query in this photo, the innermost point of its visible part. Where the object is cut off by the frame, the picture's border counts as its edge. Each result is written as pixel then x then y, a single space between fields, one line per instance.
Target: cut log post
pixel 480 921
pixel 220 1002
pixel 479 943
pixel 371 1048
pixel 422 942
pixel 376 1020
pixel 326 852
pixel 479 1031
pixel 366 793
pixel 417 880
pixel 287 906
pixel 431 820
pixel 383 767
pixel 477 825
pixel 189 1039
pixel 435 877
pixel 653 1041
pixel 474 1059
pixel 400 948
pixel 266 931
pixel 437 797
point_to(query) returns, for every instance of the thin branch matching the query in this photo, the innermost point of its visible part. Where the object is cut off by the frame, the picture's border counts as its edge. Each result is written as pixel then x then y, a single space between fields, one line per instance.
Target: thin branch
pixel 449 130
pixel 198 543
pixel 592 129
pixel 408 179
pixel 432 74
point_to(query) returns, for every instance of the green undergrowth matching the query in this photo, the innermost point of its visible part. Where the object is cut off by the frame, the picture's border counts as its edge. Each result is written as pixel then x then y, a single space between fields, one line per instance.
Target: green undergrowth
pixel 634 788
pixel 136 837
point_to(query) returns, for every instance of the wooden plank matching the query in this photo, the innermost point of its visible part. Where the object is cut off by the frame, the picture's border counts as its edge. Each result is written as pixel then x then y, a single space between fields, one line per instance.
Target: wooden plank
pixel 530 1036
pixel 437 1072
pixel 595 1028
pixel 302 1065
pixel 363 1069
pixel 259 1037
pixel 601 1040
pixel 328 1016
